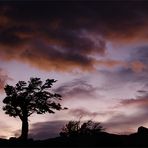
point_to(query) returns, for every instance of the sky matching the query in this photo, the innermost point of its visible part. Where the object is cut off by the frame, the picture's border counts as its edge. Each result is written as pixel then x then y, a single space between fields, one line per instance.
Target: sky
pixel 98 52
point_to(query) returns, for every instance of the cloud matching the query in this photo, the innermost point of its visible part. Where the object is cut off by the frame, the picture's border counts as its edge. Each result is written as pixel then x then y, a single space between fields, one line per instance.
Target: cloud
pixel 131 72
pixel 133 102
pixel 63 49
pixel 45 130
pixel 137 66
pixel 81 112
pixel 3 79
pixel 78 88
pixel 48 57
pixel 138 59
pixel 140 102
pixel 50 36
pixel 6 130
pixel 142 91
pixel 122 123
pixel 135 117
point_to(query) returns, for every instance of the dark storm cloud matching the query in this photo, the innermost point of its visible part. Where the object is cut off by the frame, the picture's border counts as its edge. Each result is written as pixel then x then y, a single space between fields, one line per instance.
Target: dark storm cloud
pixel 77 88
pixel 62 36
pixel 109 19
pixel 37 36
pixel 50 56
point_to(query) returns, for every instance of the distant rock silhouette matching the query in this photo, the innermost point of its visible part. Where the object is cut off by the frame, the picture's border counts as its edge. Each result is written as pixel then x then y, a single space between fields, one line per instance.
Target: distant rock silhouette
pixel 142 130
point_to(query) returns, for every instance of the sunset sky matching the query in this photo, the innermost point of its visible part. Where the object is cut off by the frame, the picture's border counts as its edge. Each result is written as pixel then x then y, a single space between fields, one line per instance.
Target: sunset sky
pixel 98 52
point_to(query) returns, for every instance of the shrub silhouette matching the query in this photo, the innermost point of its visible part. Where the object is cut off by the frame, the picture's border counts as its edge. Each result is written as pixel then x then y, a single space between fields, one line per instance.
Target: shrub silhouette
pixel 24 99
pixel 71 129
pixel 91 128
pixel 75 128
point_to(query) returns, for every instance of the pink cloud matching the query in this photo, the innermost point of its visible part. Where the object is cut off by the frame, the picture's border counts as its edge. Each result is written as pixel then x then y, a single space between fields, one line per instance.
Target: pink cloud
pixel 3 79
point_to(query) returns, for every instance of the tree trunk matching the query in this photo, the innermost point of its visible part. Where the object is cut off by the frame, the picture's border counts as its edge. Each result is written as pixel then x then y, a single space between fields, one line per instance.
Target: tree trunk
pixel 24 134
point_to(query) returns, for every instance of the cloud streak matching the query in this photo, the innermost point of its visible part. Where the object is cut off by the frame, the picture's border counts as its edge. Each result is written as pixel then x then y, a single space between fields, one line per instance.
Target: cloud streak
pixel 78 88
pixel 80 113
pixel 45 130
pixel 140 102
pixel 129 122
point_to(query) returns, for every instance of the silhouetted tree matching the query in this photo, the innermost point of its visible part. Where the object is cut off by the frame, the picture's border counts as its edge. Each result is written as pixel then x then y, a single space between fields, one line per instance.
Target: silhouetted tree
pixel 73 128
pixel 24 99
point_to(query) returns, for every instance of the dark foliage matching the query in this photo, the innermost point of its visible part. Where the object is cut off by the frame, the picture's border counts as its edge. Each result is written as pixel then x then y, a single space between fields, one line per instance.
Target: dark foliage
pixel 75 128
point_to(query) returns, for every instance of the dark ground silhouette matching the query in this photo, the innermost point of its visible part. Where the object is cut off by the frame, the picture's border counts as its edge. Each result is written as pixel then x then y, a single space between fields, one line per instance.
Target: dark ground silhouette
pixel 101 139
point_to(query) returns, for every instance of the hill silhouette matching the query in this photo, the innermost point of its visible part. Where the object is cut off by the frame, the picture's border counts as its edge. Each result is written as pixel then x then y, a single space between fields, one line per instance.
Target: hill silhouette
pixel 102 139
